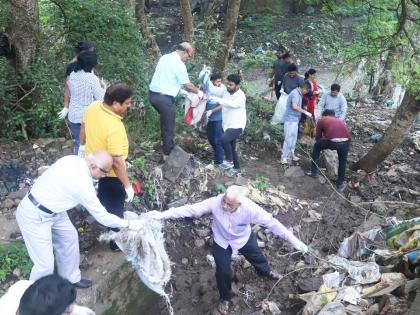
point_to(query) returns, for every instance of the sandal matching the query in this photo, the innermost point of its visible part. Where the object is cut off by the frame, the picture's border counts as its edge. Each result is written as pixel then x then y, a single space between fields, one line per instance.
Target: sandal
pixel 223 307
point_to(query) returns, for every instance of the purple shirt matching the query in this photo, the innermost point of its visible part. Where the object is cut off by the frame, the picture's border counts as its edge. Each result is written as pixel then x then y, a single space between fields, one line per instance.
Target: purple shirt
pixel 233 229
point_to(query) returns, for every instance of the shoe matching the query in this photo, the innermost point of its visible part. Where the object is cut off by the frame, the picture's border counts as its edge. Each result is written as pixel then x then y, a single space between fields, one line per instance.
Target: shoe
pixel 312 175
pixel 284 162
pixel 341 187
pixel 274 275
pixel 226 165
pixel 295 158
pixel 83 284
pixel 223 307
pixel 233 172
pixel 114 247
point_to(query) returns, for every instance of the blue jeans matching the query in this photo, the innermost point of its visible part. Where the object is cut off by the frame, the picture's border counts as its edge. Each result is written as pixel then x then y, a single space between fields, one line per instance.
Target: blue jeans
pixel 214 135
pixel 75 132
pixel 342 149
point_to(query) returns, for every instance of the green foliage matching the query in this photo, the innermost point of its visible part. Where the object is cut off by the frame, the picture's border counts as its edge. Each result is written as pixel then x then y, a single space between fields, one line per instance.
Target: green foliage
pixel 261 182
pixel 31 100
pixel 220 188
pixel 148 183
pixel 12 256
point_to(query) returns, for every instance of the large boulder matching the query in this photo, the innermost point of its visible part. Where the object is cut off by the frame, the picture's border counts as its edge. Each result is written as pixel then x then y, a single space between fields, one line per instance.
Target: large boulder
pixel 330 159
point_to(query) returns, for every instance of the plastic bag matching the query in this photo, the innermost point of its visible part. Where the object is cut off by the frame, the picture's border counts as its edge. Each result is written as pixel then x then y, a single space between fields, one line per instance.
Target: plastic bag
pixel 361 272
pixel 333 308
pixel 278 117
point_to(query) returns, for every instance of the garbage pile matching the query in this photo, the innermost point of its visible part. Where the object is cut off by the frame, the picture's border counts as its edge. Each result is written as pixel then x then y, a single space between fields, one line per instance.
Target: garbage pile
pixel 371 269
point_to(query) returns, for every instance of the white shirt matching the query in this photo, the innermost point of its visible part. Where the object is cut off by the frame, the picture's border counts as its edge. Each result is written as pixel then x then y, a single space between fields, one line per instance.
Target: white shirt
pixel 68 183
pixel 84 88
pixel 9 302
pixel 170 75
pixel 217 91
pixel 234 110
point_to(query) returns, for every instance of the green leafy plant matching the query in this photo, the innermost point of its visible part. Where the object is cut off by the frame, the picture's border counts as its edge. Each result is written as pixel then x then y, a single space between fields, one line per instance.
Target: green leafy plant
pixel 12 256
pixel 261 182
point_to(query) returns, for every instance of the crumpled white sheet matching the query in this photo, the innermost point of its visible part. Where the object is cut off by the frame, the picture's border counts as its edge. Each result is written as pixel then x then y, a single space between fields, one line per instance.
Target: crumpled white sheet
pixel 145 249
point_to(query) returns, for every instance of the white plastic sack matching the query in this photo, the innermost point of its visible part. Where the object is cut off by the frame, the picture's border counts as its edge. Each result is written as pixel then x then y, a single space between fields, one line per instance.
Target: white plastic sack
pixel 278 117
pixel 361 272
pixel 145 249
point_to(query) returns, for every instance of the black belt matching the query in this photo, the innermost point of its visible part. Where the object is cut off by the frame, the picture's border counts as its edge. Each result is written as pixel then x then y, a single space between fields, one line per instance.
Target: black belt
pixel 38 205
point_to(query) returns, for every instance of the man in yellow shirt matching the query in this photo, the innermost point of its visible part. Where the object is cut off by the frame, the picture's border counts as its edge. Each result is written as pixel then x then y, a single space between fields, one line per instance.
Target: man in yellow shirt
pixel 102 128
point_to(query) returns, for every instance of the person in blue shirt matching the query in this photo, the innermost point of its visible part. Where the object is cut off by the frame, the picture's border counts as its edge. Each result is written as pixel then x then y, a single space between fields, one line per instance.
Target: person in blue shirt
pixel 170 75
pixel 214 116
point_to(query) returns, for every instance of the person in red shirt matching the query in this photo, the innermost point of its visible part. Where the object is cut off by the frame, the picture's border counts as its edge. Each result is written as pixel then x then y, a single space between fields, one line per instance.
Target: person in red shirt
pixel 333 134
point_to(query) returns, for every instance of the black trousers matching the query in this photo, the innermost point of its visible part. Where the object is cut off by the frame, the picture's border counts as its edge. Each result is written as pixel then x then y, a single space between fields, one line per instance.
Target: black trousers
pixel 111 194
pixel 277 88
pixel 222 258
pixel 166 107
pixel 342 149
pixel 229 145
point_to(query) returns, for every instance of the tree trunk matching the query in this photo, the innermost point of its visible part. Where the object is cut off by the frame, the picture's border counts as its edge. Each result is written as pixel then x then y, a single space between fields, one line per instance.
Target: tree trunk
pixel 187 20
pixel 400 126
pixel 231 21
pixel 131 5
pixel 141 19
pixel 22 30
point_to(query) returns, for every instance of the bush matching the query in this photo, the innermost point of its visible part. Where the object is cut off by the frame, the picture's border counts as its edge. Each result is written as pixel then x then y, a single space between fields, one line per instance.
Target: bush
pixel 12 256
pixel 118 43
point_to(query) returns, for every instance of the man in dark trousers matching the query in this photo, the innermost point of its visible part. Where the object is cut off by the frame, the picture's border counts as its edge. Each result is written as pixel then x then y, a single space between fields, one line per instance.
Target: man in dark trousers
pixel 170 75
pixel 333 134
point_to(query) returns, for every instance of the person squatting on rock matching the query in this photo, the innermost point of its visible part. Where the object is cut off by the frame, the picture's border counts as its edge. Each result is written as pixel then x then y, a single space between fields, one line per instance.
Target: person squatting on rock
pixel 84 87
pixel 43 220
pixel 332 133
pixel 333 100
pixel 170 75
pixel 214 116
pixel 291 121
pixel 49 295
pixel 102 128
pixel 233 213
pixel 233 121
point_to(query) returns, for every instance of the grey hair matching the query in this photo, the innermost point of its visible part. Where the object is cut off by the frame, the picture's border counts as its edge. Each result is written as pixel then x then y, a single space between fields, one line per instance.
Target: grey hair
pixel 92 159
pixel 236 192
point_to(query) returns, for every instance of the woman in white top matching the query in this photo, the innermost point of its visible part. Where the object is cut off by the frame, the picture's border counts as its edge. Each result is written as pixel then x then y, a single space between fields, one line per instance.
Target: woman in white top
pixel 84 88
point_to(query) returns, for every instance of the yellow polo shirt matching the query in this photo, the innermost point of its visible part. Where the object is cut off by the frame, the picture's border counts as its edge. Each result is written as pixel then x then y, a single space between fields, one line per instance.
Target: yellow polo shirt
pixel 105 130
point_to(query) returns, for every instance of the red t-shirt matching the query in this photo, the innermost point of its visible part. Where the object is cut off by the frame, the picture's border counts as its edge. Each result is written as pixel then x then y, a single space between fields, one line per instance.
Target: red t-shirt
pixel 330 127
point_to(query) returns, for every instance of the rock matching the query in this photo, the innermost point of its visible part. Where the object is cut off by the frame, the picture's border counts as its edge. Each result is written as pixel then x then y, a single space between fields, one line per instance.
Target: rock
pixel 412 286
pixel 294 171
pixel 175 163
pixel 210 260
pixel 8 203
pixel 246 264
pixel 379 207
pixel 18 194
pixel 202 232
pixel 241 181
pixel 309 10
pixel 355 199
pixel 178 203
pixel 309 284
pixel 199 243
pixel 184 261
pixel 330 159
pixel 3 189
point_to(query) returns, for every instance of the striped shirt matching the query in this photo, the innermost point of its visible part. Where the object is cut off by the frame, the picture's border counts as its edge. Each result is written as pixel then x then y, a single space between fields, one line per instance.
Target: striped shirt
pixel 84 88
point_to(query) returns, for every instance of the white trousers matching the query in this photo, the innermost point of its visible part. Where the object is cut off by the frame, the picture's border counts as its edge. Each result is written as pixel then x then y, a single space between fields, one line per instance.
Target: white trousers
pixel 290 138
pixel 44 233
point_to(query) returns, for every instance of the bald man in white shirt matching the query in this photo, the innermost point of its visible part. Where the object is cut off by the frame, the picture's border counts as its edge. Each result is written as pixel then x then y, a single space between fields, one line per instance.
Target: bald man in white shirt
pixel 43 220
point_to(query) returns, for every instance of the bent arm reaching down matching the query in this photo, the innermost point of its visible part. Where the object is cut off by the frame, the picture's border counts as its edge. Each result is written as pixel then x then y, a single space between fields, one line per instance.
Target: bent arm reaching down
pixel 196 210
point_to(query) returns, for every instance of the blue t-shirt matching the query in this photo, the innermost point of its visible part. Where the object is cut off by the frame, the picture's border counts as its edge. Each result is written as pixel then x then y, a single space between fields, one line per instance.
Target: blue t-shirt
pixel 216 116
pixel 291 115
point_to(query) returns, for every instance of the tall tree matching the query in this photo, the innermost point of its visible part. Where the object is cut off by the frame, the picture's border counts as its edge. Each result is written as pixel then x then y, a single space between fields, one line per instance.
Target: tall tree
pixel 231 21
pixel 22 30
pixel 144 29
pixel 187 19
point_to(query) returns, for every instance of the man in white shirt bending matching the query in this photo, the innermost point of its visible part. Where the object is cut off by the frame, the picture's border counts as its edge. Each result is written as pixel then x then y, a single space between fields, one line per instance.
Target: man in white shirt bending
pixel 233 122
pixel 43 220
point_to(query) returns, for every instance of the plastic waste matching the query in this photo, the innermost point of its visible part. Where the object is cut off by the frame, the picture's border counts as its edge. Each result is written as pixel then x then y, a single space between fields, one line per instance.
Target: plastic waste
pixel 360 272
pixel 333 308
pixel 278 117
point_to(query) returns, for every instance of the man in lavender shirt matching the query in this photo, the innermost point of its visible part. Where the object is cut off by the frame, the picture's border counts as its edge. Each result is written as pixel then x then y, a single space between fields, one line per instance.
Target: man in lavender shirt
pixel 233 214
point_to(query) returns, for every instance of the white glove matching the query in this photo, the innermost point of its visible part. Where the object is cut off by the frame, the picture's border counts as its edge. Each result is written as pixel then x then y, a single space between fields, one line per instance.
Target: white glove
pixel 301 247
pixel 308 114
pixel 136 225
pixel 63 113
pixel 81 151
pixel 130 194
pixel 154 214
pixel 200 94
pixel 208 113
pixel 81 310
